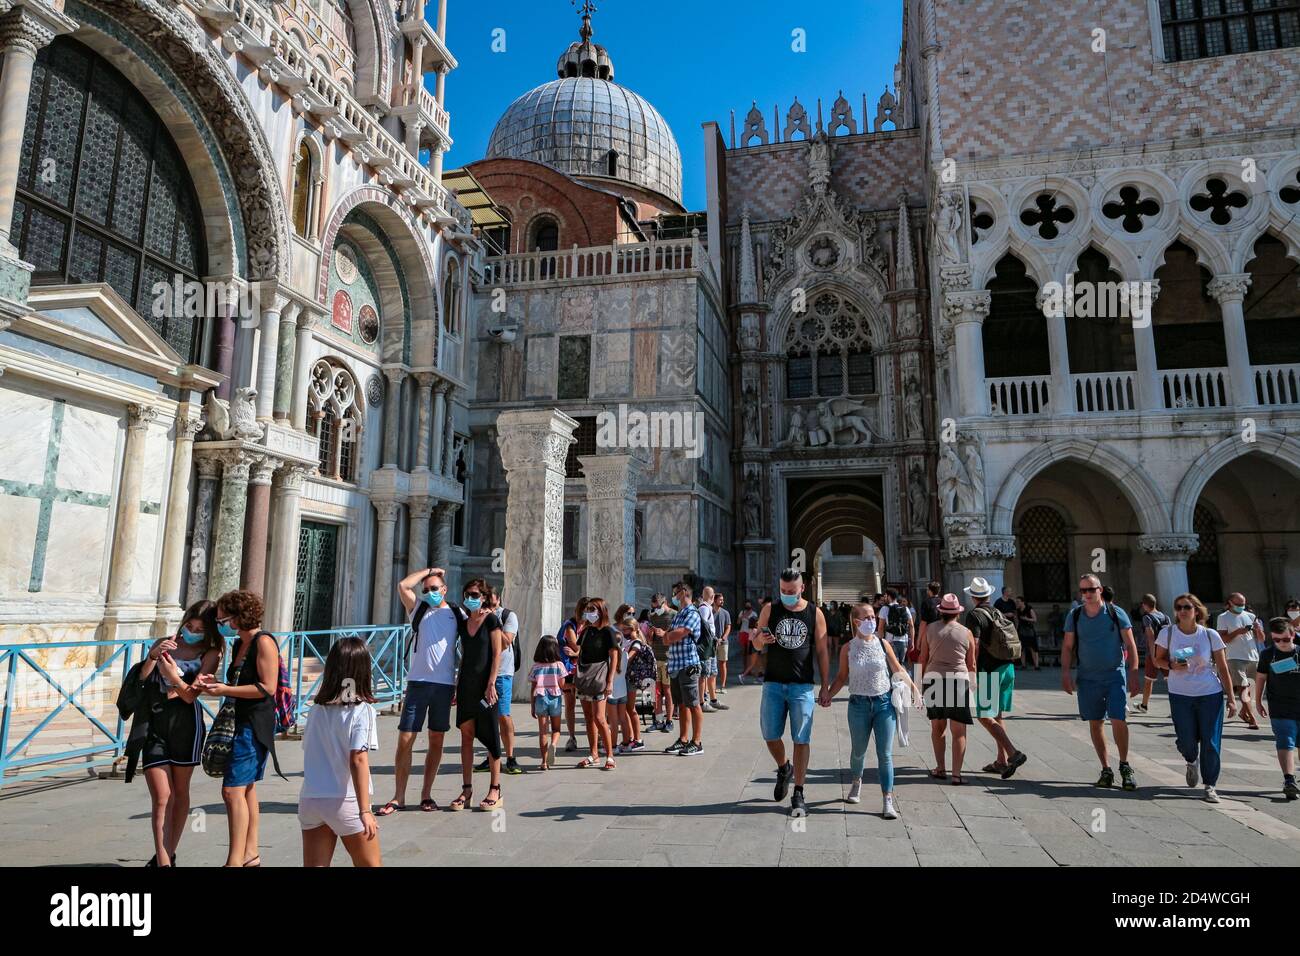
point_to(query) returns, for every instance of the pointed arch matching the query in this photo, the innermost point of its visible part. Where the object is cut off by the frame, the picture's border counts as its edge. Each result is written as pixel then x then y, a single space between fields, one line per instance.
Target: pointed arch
pixel 1279 448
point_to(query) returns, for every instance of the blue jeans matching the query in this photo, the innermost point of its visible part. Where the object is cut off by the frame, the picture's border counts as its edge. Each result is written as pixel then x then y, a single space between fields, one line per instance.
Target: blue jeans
pixel 1198 726
pixel 779 700
pixel 868 715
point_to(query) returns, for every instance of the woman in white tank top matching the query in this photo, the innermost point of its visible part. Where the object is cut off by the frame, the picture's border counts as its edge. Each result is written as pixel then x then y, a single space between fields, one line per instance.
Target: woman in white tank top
pixel 868 665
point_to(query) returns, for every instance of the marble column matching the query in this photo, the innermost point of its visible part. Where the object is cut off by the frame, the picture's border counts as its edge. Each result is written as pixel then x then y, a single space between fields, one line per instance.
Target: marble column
pixel 417 547
pixel 438 424
pixel 1230 292
pixel 449 440
pixel 282 569
pixel 208 468
pixel 967 311
pixel 257 523
pixel 1149 397
pixel 178 512
pixel 126 526
pixel 534 445
pixel 23 31
pixel 424 398
pixel 1169 554
pixel 611 525
pixel 381 610
pixel 392 414
pixel 301 369
pixel 227 320
pixel 286 361
pixel 228 536
pixel 443 525
pixel 268 351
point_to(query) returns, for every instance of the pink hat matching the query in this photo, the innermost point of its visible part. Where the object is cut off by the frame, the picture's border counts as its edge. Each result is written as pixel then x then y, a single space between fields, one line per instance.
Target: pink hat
pixel 949 604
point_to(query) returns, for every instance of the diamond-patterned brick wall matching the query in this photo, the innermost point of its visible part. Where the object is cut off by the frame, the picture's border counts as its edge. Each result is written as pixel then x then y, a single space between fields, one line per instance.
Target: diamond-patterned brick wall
pixel 1018 77
pixel 867 171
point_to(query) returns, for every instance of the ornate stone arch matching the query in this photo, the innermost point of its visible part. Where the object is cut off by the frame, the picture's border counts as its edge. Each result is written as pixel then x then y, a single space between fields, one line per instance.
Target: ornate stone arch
pixel 1037 266
pixel 375 29
pixel 411 250
pixel 1282 449
pixel 149 39
pixel 1149 503
pixel 1288 233
pixel 874 315
pixel 1120 255
pixel 1210 252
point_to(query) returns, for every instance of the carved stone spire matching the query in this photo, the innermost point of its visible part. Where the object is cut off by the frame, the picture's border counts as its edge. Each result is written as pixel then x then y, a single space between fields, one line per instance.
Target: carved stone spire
pixel 905 263
pixel 748 281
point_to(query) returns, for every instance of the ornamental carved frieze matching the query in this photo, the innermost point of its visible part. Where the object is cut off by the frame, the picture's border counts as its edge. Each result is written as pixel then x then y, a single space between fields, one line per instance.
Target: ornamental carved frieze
pixel 182 44
pixel 981 550
pixel 1168 546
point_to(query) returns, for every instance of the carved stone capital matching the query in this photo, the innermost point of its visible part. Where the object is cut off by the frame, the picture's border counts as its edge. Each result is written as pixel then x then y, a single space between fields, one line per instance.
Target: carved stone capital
pixel 263 469
pixel 290 479
pixel 982 551
pixel 23 31
pixel 188 428
pixel 954 278
pixel 140 417
pixel 1229 288
pixel 388 510
pixel 960 307
pixel 1168 547
pixel 529 439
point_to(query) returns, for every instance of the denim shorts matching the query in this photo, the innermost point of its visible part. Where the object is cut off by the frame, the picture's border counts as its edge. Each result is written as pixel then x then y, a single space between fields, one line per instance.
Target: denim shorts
pixel 1284 732
pixel 247 759
pixel 548 705
pixel 505 686
pixel 797 700
pixel 710 666
pixel 425 698
pixel 1102 697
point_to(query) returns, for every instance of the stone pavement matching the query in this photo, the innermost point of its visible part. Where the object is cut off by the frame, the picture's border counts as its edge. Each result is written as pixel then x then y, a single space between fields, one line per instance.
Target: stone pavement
pixel 658 810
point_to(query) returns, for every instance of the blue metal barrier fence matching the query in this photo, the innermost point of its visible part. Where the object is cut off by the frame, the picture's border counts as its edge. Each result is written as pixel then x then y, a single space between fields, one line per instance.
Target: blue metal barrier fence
pixel 303 651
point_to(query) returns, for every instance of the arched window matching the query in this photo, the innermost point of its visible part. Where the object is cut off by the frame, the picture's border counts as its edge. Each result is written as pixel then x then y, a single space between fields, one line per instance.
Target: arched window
pixel 1044 551
pixel 828 352
pixel 1272 305
pixel 304 186
pixel 1102 339
pixel 546 235
pixel 1204 578
pixel 103 193
pixel 1186 322
pixel 1015 331
pixel 334 417
pixel 611 163
pixel 451 297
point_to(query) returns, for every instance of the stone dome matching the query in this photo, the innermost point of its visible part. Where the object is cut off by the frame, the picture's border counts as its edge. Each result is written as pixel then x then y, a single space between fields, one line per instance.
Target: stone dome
pixel 585 124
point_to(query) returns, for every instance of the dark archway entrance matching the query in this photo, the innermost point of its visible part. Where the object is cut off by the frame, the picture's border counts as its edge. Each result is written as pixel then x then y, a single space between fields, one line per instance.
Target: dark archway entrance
pixel 819 509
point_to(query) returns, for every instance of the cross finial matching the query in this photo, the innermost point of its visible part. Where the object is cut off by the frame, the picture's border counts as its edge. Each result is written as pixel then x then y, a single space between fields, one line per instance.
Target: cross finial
pixel 586 10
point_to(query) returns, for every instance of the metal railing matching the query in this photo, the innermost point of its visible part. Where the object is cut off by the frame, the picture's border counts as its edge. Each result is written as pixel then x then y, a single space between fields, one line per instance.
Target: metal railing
pixel 82 697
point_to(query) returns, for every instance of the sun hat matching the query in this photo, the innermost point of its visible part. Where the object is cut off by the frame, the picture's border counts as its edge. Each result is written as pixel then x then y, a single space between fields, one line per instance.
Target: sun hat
pixel 979 588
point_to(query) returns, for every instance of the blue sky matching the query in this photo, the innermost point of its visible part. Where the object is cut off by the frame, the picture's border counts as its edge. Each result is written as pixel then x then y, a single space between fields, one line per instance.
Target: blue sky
pixel 694 62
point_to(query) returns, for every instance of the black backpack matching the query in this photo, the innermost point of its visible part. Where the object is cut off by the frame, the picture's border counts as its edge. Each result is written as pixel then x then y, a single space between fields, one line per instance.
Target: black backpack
pixel 896 623
pixel 706 642
pixel 504 613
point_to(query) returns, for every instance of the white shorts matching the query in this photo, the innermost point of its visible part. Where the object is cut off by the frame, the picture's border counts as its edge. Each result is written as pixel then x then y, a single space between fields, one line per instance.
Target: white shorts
pixel 340 814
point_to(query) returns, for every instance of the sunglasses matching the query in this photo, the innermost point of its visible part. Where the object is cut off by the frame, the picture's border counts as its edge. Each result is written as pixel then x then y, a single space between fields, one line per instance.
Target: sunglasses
pixel 1088 590
pixel 1282 638
pixel 1184 607
pixel 225 620
pixel 473 594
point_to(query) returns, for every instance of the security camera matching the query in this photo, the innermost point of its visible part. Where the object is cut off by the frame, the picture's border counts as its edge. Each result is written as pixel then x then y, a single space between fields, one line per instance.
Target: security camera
pixel 504 333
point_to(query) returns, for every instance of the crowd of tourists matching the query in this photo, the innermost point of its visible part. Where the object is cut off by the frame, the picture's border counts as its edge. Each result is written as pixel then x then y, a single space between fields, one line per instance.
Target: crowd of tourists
pixel 667 664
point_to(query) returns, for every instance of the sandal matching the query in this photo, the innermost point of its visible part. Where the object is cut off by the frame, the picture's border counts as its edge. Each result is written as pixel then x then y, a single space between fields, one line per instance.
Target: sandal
pixel 389 808
pixel 939 774
pixel 255 861
pixel 586 762
pixel 994 767
pixel 429 805
pixel 610 765
pixel 956 780
pixel 488 803
pixel 460 802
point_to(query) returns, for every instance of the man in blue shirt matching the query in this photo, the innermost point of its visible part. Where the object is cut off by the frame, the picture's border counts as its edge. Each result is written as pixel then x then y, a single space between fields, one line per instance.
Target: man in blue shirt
pixel 684 672
pixel 1104 637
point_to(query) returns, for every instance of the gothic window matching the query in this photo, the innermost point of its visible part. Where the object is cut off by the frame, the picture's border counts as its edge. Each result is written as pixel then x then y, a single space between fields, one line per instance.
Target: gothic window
pixel 1044 550
pixel 1047 215
pixel 103 193
pixel 1204 578
pixel 334 417
pixel 546 234
pixel 1186 322
pixel 575 367
pixel 1219 200
pixel 1272 305
pixel 1015 332
pixel 1102 340
pixel 1130 209
pixel 303 187
pixel 451 305
pixel 1199 28
pixel 584 444
pixel 828 351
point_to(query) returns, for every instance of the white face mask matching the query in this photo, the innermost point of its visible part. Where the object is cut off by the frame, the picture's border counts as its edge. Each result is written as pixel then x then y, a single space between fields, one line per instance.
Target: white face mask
pixel 591 617
pixel 867 627
pixel 1293 615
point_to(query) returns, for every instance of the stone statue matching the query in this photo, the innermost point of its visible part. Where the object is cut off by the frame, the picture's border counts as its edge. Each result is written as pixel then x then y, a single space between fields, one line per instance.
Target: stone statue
pixel 217 414
pixel 912 415
pixel 819 164
pixel 751 412
pixel 845 415
pixel 909 321
pixel 796 437
pixel 950 222
pixel 974 470
pixel 753 505
pixel 956 494
pixel 817 435
pixel 243 415
pixel 918 499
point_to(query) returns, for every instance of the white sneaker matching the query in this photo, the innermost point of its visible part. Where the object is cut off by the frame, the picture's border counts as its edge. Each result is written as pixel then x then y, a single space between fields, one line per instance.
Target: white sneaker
pixel 890 812
pixel 1193 775
pixel 722 692
pixel 855 793
pixel 1211 795
pixel 706 707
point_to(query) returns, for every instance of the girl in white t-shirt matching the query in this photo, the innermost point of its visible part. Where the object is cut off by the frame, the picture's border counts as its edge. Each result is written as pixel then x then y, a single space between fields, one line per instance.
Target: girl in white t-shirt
pixel 336 767
pixel 1198 682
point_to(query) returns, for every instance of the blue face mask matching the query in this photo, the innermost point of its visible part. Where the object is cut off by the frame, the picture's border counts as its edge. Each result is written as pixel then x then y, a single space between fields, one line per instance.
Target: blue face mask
pixel 227 631
pixel 1238 608
pixel 676 603
pixel 189 637
pixel 789 600
pixel 432 598
pixel 473 604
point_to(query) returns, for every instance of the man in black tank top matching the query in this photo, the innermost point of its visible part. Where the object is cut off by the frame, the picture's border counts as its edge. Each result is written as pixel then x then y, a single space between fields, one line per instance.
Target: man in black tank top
pixel 792 631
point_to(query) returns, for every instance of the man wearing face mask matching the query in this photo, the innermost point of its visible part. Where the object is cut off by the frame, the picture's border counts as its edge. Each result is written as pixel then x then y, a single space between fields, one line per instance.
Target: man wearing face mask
pixel 1240 629
pixel 430 684
pixel 792 633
